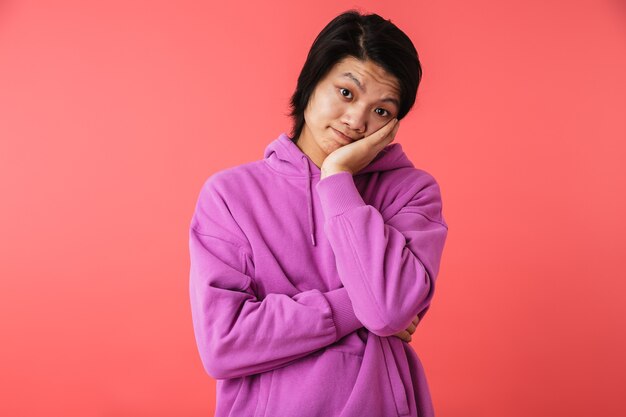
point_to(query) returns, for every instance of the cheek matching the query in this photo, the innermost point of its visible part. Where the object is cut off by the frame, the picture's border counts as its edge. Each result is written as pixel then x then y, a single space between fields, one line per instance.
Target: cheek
pixel 325 107
pixel 330 106
pixel 374 126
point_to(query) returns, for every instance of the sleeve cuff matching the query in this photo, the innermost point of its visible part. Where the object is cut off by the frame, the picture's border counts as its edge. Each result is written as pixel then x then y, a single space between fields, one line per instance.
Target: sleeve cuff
pixel 338 194
pixel 343 313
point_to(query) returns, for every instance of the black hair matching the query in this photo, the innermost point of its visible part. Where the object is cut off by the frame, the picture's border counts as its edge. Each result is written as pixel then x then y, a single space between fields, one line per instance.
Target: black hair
pixel 365 37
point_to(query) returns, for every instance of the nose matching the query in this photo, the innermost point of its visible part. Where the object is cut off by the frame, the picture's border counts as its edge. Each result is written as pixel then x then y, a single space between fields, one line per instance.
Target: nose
pixel 355 119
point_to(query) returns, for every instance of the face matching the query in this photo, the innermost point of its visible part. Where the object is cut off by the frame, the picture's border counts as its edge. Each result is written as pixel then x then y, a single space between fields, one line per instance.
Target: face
pixel 356 98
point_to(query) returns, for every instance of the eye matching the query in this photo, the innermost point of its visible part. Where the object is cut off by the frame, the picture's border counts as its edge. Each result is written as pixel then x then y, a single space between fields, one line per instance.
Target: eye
pixel 385 114
pixel 345 92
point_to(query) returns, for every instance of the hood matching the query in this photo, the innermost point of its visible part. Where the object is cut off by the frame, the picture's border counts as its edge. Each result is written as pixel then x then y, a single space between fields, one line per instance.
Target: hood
pixel 285 157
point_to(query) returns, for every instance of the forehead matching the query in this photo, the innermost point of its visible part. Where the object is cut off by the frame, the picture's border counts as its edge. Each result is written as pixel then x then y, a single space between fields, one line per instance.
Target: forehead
pixel 367 74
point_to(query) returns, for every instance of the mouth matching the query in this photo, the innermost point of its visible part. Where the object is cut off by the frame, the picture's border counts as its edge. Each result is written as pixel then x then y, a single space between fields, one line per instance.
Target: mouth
pixel 344 138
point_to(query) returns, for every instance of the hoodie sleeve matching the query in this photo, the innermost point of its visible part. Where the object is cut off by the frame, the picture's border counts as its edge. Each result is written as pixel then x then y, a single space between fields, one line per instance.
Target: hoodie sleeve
pixel 236 333
pixel 389 267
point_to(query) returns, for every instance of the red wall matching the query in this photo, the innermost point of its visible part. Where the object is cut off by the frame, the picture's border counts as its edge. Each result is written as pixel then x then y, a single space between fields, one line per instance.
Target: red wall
pixel 112 115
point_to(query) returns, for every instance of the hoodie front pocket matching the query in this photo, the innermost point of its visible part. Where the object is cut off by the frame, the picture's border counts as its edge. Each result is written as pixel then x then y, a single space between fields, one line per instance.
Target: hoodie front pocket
pixel 316 385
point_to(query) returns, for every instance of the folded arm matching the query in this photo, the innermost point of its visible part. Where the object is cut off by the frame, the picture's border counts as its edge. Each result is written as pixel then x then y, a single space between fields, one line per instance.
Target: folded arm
pixel 389 267
pixel 236 333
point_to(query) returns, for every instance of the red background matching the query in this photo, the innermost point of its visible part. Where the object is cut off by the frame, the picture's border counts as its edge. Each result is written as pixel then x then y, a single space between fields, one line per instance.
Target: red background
pixel 112 115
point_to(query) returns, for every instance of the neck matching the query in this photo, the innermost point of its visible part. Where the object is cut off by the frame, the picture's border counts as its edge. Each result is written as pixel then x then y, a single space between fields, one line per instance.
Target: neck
pixel 310 148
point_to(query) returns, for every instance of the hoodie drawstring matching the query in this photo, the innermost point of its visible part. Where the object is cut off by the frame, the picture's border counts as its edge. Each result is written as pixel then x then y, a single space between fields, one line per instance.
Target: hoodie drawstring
pixel 309 198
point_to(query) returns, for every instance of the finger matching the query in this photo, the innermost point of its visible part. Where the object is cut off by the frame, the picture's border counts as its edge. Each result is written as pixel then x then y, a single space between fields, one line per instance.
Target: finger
pixel 416 320
pixel 395 128
pixel 392 135
pixel 411 328
pixel 382 135
pixel 404 335
pixel 392 127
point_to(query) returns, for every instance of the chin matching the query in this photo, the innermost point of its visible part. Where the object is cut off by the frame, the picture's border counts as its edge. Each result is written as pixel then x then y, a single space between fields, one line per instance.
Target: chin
pixel 331 145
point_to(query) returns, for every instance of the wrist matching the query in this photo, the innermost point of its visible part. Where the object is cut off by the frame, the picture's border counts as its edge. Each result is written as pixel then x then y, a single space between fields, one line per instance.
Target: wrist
pixel 330 170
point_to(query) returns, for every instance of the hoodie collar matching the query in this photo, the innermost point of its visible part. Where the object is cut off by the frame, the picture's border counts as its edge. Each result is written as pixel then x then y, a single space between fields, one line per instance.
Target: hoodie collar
pixel 284 156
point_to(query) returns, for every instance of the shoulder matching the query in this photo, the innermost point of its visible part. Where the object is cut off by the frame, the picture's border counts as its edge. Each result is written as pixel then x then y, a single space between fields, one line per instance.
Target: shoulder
pixel 219 194
pixel 417 190
pixel 411 180
pixel 225 179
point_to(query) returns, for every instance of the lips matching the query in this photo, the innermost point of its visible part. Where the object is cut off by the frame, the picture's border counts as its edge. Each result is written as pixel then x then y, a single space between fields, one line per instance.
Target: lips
pixel 343 136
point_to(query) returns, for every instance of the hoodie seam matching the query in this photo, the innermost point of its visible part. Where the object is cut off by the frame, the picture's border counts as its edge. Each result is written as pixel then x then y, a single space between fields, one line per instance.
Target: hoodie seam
pixel 267 163
pixel 425 216
pixel 241 247
pixel 418 211
pixel 242 254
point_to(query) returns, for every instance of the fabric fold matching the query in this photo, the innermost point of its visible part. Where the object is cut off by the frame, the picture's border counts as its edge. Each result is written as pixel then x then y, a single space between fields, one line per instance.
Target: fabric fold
pixel 285 314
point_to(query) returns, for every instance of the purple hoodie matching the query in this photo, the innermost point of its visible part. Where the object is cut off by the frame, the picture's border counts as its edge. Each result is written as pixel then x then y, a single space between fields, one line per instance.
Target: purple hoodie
pixel 297 320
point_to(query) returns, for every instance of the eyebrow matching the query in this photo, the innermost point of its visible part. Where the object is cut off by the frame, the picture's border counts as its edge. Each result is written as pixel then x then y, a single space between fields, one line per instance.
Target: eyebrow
pixel 353 78
pixel 358 83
